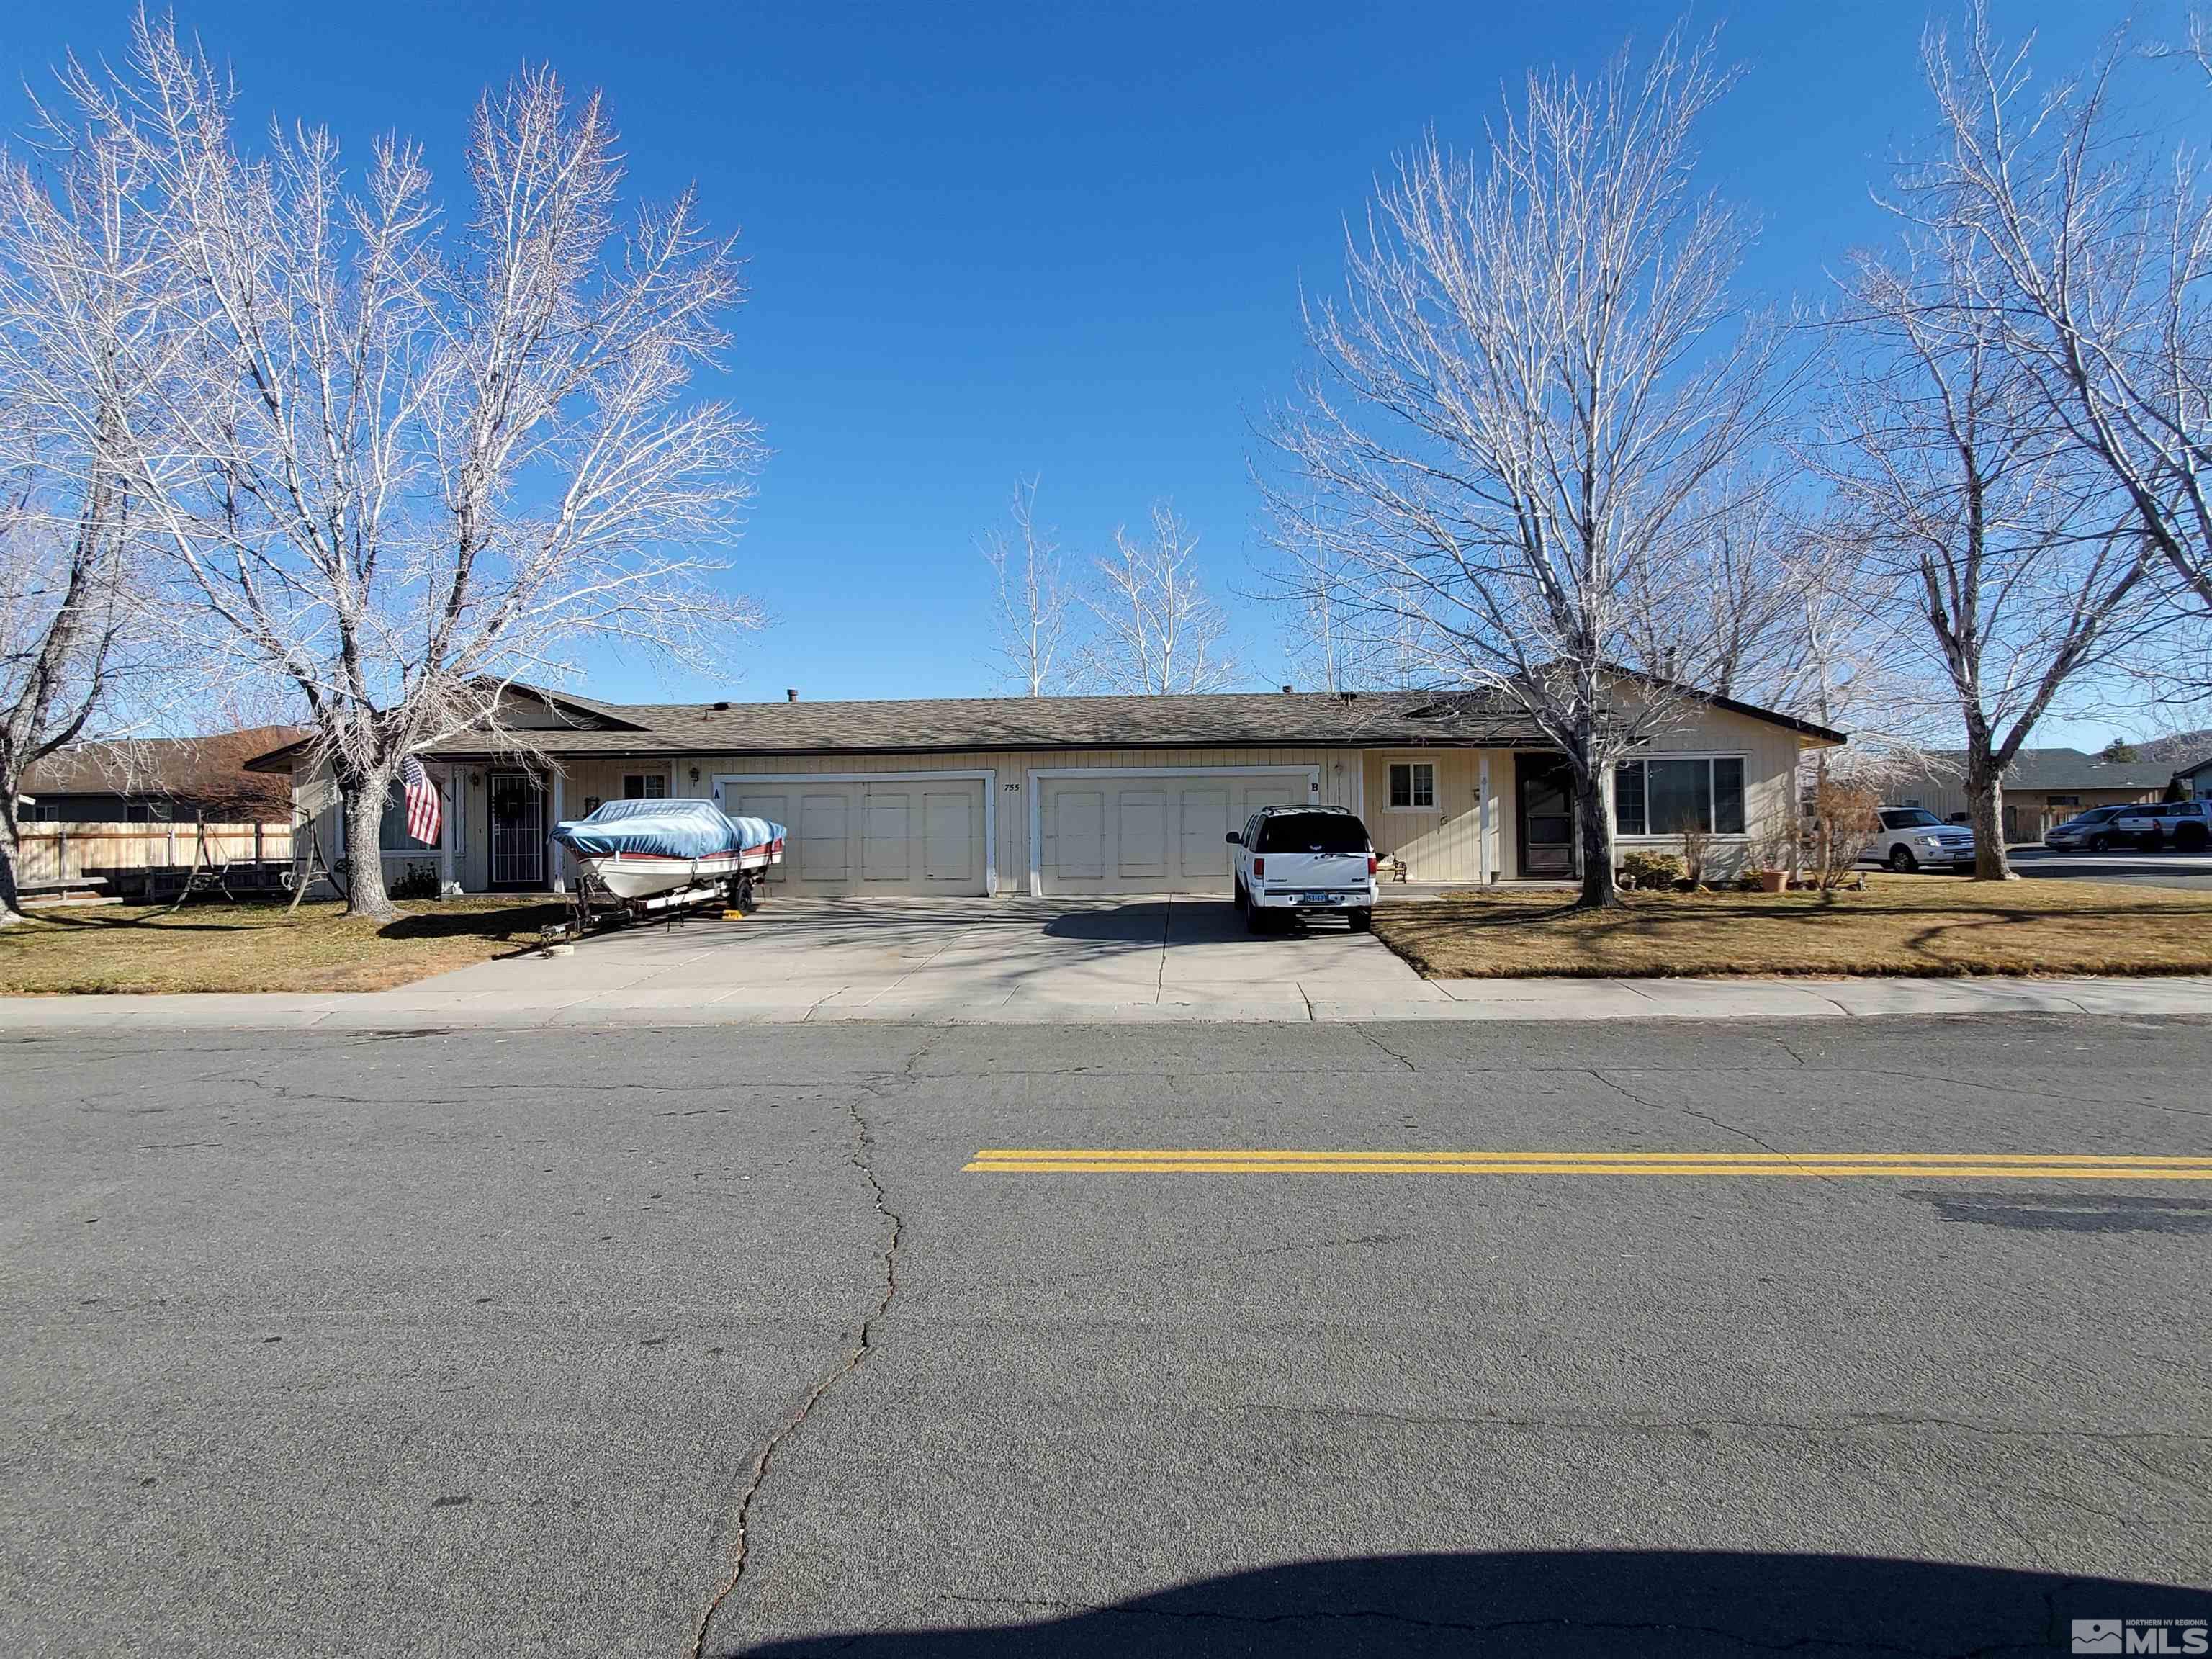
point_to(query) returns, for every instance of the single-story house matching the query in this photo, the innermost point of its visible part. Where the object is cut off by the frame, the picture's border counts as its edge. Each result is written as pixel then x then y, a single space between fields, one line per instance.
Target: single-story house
pixel 2194 780
pixel 1072 795
pixel 2042 788
pixel 161 780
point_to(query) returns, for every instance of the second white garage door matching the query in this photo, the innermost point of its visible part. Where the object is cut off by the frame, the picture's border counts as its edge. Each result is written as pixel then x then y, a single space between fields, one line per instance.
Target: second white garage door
pixel 891 835
pixel 1151 833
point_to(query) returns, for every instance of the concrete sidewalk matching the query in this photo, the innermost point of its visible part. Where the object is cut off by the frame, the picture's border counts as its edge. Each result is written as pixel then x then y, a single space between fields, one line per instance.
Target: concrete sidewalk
pixel 523 1006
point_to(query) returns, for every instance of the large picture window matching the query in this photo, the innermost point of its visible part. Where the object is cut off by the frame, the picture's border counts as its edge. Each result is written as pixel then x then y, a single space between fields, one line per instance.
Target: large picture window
pixel 1666 797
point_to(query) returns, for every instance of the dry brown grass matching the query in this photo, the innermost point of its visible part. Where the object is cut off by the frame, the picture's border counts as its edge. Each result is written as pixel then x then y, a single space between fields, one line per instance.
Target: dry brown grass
pixel 256 947
pixel 1899 925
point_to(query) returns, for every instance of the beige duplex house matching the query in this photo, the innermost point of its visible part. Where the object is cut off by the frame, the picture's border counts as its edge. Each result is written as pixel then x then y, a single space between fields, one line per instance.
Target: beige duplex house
pixel 1045 796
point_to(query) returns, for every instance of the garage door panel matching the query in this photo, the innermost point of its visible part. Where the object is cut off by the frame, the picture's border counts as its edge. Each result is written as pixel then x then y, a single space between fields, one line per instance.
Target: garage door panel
pixel 1079 845
pixel 948 818
pixel 900 836
pixel 887 851
pixel 825 845
pixel 777 809
pixel 1140 840
pixel 1205 850
pixel 1158 833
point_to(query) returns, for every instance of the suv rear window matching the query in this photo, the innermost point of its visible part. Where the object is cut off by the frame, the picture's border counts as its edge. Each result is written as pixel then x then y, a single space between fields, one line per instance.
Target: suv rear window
pixel 1312 832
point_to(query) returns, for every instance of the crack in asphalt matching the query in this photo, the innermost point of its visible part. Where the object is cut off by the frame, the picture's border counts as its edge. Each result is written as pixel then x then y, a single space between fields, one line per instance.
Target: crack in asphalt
pixel 863 1159
pixel 1384 1046
pixel 1628 1093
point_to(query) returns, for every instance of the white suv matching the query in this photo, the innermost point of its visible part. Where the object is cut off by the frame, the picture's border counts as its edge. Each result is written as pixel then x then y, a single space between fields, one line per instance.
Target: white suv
pixel 1304 860
pixel 1913 838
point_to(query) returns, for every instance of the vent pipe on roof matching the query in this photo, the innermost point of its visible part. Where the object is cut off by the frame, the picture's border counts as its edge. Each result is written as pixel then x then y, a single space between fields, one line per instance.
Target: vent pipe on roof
pixel 1286 690
pixel 790 695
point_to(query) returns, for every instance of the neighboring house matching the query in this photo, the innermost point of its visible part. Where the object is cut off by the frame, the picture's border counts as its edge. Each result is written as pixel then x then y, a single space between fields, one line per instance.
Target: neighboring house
pixel 2193 781
pixel 2042 788
pixel 1075 795
pixel 161 780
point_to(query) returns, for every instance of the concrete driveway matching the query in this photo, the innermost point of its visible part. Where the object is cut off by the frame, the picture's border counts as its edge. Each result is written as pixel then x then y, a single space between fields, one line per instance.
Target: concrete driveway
pixel 936 959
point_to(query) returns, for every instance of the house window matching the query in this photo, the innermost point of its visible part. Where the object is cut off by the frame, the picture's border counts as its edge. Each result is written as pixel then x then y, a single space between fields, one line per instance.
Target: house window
pixel 2062 800
pixel 645 786
pixel 391 836
pixel 1666 797
pixel 1414 786
pixel 591 805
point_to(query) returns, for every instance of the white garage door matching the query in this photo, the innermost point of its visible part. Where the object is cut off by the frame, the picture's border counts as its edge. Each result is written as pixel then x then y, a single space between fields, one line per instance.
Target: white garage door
pixel 1151 834
pixel 888 835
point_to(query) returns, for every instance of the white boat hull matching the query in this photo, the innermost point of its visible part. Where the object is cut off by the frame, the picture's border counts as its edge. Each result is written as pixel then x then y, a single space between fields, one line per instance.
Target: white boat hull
pixel 643 875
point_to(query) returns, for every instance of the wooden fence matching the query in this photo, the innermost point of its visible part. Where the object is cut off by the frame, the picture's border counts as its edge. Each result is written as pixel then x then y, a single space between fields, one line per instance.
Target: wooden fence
pixel 53 854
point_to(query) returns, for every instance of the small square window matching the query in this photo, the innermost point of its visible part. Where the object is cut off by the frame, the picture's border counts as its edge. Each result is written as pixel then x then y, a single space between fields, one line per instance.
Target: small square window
pixel 645 786
pixel 1413 785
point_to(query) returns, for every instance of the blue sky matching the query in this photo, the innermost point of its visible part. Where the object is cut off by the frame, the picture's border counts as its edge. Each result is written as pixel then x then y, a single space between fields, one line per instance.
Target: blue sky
pixel 992 240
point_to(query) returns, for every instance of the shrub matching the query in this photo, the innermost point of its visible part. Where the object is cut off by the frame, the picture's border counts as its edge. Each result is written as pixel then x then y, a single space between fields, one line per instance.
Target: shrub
pixel 418 881
pixel 1844 822
pixel 1648 870
pixel 1696 849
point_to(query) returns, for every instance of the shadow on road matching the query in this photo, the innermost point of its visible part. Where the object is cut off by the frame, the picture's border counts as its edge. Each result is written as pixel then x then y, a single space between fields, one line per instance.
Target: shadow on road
pixel 1554 1602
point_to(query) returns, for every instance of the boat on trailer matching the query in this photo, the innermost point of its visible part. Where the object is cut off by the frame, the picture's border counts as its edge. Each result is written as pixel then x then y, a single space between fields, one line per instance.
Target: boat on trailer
pixel 651 854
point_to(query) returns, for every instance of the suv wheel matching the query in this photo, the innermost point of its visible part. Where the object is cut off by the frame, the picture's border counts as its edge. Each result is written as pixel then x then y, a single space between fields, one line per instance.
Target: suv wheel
pixel 1257 920
pixel 1361 920
pixel 2100 843
pixel 1902 861
pixel 1236 893
pixel 2191 838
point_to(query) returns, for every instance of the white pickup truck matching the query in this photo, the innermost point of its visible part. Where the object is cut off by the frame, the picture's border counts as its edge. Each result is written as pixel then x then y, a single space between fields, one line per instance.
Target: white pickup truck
pixel 1304 860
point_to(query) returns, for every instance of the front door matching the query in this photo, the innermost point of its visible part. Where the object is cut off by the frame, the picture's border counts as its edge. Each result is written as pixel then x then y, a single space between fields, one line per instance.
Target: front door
pixel 1546 789
pixel 518 830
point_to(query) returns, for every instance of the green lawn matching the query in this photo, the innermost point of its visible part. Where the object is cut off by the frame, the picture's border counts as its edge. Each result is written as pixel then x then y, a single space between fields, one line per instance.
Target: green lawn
pixel 1899 925
pixel 256 947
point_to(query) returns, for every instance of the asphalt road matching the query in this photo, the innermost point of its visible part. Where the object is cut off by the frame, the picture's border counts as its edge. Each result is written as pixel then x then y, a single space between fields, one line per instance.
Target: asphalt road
pixel 2132 865
pixel 473 1343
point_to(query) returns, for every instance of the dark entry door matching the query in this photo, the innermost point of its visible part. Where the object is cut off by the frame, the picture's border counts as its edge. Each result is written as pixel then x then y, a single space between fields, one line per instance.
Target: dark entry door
pixel 518 830
pixel 1546 790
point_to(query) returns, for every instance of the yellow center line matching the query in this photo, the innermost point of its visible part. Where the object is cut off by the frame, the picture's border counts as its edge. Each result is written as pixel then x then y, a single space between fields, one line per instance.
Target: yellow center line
pixel 1051 1160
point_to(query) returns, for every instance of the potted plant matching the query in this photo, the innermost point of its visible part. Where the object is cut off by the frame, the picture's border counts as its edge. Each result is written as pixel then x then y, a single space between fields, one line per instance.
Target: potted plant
pixel 1770 846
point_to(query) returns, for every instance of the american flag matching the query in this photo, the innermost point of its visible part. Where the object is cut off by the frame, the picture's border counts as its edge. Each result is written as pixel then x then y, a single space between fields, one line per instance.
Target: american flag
pixel 423 814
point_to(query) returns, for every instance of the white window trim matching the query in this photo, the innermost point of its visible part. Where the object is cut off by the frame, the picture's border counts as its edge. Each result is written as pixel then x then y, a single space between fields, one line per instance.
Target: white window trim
pixel 1037 775
pixel 1435 807
pixel 988 774
pixel 1674 838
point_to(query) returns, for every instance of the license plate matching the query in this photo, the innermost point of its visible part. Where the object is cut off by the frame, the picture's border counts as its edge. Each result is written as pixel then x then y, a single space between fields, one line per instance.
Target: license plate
pixel 1319 898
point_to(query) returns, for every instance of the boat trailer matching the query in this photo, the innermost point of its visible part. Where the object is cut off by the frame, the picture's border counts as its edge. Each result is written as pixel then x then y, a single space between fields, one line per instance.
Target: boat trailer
pixel 593 907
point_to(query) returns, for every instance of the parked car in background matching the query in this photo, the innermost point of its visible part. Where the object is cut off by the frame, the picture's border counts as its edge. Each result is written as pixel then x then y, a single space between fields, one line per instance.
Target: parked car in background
pixel 2090 831
pixel 1914 838
pixel 2183 825
pixel 1304 860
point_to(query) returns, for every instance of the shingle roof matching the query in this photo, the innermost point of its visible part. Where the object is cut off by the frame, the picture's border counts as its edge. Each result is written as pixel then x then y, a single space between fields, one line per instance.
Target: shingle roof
pixel 2074 769
pixel 211 772
pixel 950 725
pixel 957 725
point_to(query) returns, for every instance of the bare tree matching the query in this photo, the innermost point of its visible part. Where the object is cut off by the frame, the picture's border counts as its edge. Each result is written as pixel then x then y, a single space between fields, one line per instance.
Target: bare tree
pixel 2094 260
pixel 1157 631
pixel 84 286
pixel 1030 624
pixel 1513 449
pixel 412 467
pixel 2022 567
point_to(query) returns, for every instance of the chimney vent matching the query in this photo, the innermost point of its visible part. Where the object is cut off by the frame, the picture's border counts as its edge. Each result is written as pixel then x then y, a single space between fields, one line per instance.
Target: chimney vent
pixel 1286 690
pixel 790 695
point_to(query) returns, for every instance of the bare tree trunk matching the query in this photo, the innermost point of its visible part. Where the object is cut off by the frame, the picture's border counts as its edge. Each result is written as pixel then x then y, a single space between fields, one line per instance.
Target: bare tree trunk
pixel 1594 828
pixel 1985 801
pixel 11 902
pixel 364 826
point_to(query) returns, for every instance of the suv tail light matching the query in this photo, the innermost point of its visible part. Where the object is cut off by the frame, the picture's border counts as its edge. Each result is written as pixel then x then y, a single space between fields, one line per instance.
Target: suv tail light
pixel 1370 864
pixel 1259 867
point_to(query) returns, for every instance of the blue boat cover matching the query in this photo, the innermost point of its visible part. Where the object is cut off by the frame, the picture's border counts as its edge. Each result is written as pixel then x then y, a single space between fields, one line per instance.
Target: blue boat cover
pixel 664 828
